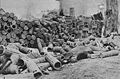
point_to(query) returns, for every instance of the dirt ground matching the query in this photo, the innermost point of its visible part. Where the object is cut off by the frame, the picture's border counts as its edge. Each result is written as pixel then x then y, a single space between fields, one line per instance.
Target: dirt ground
pixel 107 68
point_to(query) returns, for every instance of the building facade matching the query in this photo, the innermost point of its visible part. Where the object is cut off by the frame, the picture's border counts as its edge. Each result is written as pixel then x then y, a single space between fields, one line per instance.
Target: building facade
pixel 81 7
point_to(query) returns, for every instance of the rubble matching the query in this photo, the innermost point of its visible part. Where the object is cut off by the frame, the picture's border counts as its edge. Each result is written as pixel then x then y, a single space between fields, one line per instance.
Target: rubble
pixel 47 44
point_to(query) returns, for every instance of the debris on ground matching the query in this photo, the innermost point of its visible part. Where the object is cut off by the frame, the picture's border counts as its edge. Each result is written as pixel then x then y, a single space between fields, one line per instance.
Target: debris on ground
pixel 51 44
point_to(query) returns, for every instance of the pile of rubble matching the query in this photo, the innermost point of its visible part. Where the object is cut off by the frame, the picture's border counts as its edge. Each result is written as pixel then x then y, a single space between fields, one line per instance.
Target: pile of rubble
pixel 17 59
pixel 50 28
pixel 47 44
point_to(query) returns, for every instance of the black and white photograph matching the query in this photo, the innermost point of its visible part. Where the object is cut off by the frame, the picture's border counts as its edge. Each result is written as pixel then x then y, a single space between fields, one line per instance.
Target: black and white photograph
pixel 59 39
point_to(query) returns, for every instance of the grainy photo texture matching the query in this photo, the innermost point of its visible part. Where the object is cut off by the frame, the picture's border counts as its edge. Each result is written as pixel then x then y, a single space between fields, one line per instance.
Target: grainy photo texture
pixel 59 39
